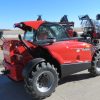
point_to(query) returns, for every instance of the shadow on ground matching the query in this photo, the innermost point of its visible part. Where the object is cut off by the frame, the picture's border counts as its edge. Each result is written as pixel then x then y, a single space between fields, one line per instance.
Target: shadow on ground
pixel 75 77
pixel 10 90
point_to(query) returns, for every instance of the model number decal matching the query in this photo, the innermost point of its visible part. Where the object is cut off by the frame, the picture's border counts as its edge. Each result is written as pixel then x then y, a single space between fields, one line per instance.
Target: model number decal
pixel 86 49
pixel 83 49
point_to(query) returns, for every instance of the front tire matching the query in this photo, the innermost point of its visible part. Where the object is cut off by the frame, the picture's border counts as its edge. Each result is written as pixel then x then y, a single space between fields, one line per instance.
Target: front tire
pixel 42 80
pixel 95 69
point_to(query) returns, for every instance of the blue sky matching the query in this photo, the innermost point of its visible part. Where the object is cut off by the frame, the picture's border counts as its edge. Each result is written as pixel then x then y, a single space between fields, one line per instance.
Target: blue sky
pixel 12 11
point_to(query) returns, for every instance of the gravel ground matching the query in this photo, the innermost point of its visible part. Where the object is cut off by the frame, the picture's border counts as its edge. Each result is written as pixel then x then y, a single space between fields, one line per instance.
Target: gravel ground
pixel 80 86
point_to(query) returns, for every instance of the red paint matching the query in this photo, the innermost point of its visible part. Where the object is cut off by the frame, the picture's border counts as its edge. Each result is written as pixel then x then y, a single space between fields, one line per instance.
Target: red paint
pixel 34 24
pixel 70 32
pixel 69 51
pixel 16 56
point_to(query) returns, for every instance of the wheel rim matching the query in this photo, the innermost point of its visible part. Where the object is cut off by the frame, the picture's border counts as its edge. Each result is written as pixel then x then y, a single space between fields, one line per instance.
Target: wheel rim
pixel 44 81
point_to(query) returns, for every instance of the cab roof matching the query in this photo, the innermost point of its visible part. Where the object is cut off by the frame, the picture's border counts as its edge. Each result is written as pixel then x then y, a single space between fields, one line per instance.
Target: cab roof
pixel 33 24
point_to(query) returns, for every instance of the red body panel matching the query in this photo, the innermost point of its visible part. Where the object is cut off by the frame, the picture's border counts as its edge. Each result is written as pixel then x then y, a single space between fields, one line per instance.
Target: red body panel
pixel 33 24
pixel 65 52
pixel 70 51
pixel 15 58
pixel 15 71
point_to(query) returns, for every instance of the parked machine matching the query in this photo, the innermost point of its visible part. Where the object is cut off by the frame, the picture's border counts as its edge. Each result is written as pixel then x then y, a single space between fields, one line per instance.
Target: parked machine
pixel 91 28
pixel 45 55
pixel 68 26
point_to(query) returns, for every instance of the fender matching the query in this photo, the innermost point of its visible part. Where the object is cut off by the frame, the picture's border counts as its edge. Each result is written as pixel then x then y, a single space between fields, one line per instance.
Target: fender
pixel 30 65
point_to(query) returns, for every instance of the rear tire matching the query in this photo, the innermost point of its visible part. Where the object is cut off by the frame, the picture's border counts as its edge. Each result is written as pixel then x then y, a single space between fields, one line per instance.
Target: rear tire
pixel 42 80
pixel 95 69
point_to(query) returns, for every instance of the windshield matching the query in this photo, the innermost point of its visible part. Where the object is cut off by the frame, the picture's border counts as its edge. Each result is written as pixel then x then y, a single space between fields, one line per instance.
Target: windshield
pixel 29 35
pixel 46 31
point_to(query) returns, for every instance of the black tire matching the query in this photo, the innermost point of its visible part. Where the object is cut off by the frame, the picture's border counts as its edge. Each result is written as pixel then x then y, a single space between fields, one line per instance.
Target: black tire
pixel 95 68
pixel 42 80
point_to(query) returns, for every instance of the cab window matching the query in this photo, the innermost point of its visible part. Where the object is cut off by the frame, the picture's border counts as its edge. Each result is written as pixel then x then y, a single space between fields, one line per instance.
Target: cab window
pixel 47 31
pixel 29 35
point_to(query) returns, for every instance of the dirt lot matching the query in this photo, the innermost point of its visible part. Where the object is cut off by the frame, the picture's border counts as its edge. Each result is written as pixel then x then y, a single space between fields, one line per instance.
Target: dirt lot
pixel 80 86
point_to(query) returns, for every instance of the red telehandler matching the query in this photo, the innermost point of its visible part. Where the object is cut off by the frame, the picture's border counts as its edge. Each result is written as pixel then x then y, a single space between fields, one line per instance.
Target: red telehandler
pixel 45 55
